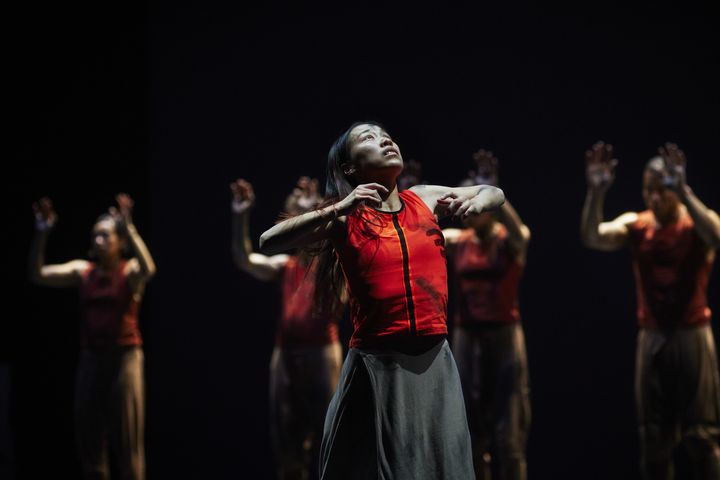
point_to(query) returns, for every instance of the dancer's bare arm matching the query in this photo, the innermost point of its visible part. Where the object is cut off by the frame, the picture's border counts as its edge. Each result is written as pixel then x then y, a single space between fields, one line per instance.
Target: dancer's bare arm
pixel 57 275
pixel 600 173
pixel 707 222
pixel 459 202
pixel 317 225
pixel 518 232
pixel 451 239
pixel 487 166
pixel 262 267
pixel 141 266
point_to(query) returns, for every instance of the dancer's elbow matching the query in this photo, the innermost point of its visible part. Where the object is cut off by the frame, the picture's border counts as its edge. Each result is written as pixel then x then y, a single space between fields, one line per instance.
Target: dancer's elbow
pixel 269 243
pixel 496 197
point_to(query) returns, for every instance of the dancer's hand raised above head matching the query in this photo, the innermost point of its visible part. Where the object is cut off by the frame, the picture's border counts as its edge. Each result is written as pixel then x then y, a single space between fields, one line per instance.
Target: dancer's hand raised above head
pixel 45 215
pixel 486 168
pixel 243 196
pixel 124 207
pixel 600 166
pixel 305 195
pixel 675 162
pixel 307 186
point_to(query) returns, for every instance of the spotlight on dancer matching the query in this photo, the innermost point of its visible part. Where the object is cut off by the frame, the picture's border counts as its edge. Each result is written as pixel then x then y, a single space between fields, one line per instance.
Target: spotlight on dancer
pixel 307 357
pixel 673 246
pixel 109 388
pixel 488 257
pixel 398 410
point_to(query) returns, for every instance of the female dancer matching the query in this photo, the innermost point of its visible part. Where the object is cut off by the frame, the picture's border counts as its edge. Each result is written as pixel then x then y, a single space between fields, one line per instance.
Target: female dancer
pixel 307 357
pixel 109 389
pixel 489 345
pixel 398 410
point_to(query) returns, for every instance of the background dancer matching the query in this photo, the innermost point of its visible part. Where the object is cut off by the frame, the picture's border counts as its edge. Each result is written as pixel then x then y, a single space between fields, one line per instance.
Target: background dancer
pixel 307 357
pixel 410 176
pixel 398 410
pixel 488 257
pixel 673 246
pixel 109 390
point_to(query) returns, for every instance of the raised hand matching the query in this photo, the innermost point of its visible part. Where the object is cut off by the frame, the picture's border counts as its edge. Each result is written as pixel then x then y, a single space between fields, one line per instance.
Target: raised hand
pixel 368 193
pixel 243 195
pixel 307 193
pixel 486 168
pixel 45 216
pixel 675 162
pixel 124 208
pixel 600 166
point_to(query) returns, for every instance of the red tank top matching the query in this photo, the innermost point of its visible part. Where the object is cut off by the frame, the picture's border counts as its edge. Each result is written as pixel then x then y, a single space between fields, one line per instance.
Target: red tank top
pixel 109 309
pixel 396 273
pixel 671 272
pixel 300 325
pixel 487 276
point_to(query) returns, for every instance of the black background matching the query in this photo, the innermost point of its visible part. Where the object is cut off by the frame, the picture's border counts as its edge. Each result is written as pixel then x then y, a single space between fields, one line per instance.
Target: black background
pixel 170 103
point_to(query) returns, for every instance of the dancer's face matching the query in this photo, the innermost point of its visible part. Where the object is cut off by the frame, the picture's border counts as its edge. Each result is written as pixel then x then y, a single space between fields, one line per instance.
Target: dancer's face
pixel 373 154
pixel 660 199
pixel 105 241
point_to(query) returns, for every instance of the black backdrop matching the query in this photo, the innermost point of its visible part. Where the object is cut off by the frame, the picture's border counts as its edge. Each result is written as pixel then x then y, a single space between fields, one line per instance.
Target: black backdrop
pixel 171 103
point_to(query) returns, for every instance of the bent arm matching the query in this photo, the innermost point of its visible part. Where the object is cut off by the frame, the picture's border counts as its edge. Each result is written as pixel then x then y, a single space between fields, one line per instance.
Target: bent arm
pixel 707 222
pixel 260 266
pixel 58 275
pixel 145 269
pixel 451 236
pixel 312 227
pixel 460 200
pixel 299 231
pixel 518 232
pixel 599 235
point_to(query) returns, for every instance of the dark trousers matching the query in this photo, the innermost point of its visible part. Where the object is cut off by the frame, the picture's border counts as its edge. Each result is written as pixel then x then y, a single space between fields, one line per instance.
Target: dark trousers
pixel 677 400
pixel 110 412
pixel 302 382
pixel 493 370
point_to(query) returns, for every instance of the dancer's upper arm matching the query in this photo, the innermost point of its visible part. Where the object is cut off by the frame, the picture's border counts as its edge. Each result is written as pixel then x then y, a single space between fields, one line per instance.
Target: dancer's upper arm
pixel 612 235
pixel 66 274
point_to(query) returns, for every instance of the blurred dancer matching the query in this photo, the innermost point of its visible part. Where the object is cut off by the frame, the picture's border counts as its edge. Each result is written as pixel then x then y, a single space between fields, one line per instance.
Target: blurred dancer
pixel 411 175
pixel 488 257
pixel 398 409
pixel 307 357
pixel 109 393
pixel 673 246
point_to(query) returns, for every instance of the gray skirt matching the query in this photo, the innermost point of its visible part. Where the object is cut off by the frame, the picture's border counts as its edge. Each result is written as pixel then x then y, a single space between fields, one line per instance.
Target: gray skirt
pixel 397 417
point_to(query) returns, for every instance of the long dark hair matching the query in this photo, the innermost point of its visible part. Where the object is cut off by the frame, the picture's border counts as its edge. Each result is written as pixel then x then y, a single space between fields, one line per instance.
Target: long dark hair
pixel 337 187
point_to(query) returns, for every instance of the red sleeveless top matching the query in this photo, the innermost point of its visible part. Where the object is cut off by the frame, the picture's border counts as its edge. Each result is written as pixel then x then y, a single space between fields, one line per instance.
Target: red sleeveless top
pixel 300 325
pixel 487 276
pixel 396 273
pixel 109 309
pixel 671 272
